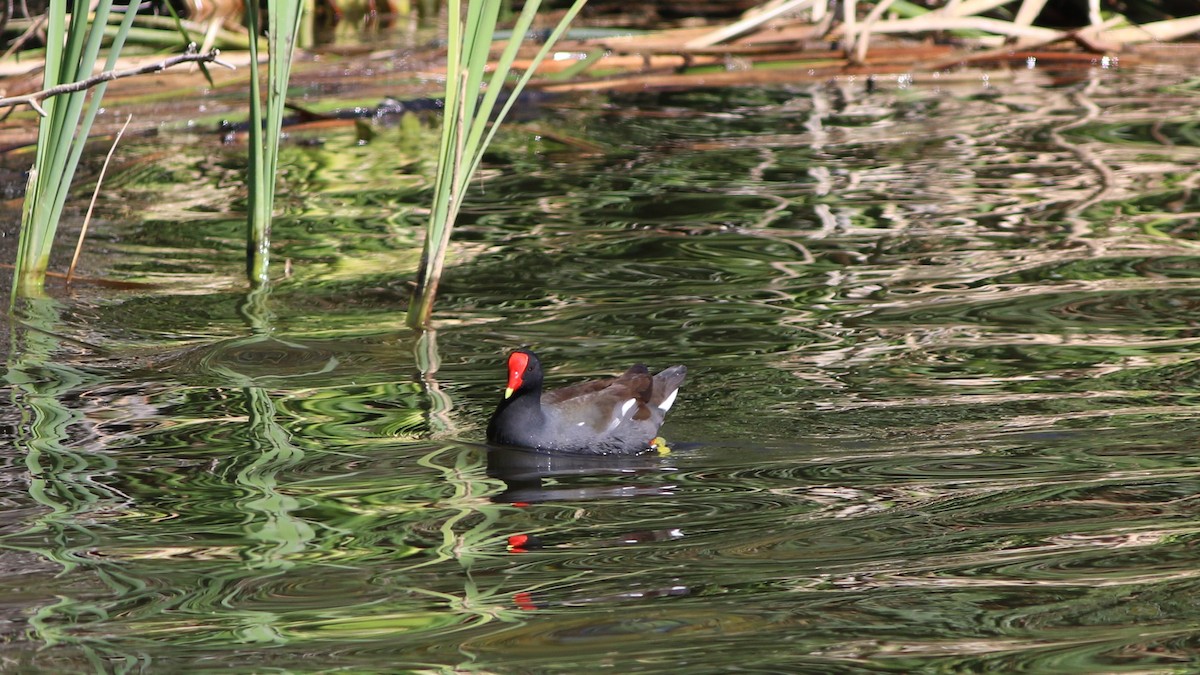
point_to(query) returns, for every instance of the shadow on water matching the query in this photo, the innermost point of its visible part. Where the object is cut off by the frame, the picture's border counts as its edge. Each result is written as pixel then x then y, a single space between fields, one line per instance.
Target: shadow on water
pixel 939 413
pixel 525 475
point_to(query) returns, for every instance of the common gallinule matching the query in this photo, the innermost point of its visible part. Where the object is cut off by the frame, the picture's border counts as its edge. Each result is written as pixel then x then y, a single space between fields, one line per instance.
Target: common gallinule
pixel 620 415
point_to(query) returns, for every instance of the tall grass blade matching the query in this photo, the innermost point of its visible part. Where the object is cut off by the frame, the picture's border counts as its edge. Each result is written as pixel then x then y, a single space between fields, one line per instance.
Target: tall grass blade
pixel 284 19
pixel 63 131
pixel 465 124
pixel 554 37
pixel 258 233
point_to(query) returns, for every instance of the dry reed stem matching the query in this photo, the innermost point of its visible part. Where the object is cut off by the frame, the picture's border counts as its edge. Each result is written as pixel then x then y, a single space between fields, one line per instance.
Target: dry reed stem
pixel 1028 12
pixel 1159 31
pixel 747 24
pixel 87 219
pixel 864 36
pixel 969 8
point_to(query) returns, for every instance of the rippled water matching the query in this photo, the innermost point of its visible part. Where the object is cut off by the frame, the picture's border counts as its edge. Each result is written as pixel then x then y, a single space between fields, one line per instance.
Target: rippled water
pixel 938 414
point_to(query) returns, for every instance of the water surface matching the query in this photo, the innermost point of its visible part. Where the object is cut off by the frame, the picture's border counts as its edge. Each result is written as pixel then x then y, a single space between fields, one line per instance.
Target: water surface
pixel 938 414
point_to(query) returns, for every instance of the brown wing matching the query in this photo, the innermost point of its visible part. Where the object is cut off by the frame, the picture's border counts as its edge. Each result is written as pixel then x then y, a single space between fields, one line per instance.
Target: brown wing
pixel 599 405
pixel 631 379
pixel 557 396
pixel 624 411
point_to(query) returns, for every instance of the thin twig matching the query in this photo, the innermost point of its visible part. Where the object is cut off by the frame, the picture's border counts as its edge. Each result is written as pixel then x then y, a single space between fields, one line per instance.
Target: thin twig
pixel 34 29
pixel 34 100
pixel 87 219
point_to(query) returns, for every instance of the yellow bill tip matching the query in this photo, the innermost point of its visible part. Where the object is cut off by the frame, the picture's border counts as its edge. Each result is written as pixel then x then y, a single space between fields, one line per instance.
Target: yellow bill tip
pixel 508 392
pixel 660 444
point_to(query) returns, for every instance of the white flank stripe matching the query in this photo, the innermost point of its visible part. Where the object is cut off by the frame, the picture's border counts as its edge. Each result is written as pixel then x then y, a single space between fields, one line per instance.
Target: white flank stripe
pixel 668 401
pixel 619 416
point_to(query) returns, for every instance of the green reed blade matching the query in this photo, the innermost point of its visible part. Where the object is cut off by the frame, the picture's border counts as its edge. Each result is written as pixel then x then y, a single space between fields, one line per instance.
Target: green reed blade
pixel 480 31
pixel 466 132
pixel 63 132
pixel 89 117
pixel 283 25
pixel 554 37
pixel 495 86
pixel 80 65
pixel 444 193
pixel 258 225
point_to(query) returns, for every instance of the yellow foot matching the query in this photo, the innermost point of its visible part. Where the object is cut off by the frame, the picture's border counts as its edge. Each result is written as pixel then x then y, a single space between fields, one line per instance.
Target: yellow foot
pixel 659 444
